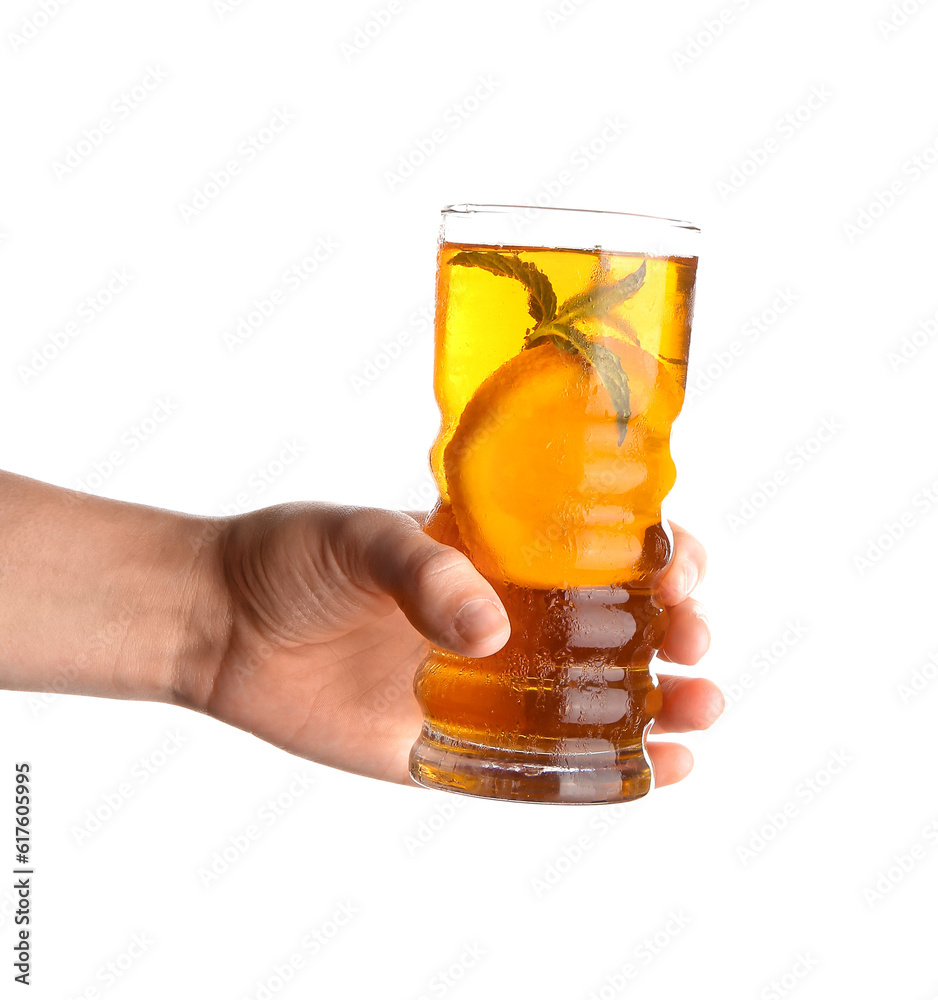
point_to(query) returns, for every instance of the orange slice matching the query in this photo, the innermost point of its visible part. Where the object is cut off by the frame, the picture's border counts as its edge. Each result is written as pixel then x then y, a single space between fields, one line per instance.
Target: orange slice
pixel 543 494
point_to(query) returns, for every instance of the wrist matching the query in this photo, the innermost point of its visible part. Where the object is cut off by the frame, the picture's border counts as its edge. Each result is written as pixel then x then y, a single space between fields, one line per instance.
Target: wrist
pixel 202 617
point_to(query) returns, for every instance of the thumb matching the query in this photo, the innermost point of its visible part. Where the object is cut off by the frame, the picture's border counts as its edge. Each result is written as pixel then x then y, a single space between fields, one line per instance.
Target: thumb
pixel 439 590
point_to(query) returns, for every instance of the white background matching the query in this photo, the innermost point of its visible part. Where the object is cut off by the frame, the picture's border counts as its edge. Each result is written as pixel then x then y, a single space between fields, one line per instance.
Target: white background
pixel 780 859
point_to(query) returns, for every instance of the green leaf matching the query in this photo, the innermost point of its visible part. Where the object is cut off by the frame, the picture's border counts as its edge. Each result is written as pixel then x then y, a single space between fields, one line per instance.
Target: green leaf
pixel 557 326
pixel 600 299
pixel 607 365
pixel 561 343
pixel 623 326
pixel 542 302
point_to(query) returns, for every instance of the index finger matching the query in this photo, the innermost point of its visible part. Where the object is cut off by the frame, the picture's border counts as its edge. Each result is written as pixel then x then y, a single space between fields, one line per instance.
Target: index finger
pixel 687 569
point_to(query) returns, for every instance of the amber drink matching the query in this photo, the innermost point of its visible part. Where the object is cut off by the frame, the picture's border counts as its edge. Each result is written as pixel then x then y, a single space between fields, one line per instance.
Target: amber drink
pixel 561 361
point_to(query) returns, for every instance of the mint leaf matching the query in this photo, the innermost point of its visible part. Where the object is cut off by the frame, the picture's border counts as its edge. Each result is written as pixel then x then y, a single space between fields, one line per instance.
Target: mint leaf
pixel 600 299
pixel 607 365
pixel 557 326
pixel 542 302
pixel 623 326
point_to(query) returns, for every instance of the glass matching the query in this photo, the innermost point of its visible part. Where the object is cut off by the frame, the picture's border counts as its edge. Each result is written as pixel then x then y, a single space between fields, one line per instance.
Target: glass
pixel 561 359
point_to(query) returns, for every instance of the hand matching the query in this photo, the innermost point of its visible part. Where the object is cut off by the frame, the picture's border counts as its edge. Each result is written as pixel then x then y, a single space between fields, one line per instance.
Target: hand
pixel 330 609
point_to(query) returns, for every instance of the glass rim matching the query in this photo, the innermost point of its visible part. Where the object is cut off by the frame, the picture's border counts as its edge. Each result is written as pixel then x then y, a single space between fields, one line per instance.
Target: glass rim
pixel 468 208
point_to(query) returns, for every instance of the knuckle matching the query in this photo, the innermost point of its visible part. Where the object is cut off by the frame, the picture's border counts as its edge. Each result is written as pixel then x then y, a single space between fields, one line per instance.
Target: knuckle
pixel 432 565
pixel 356 523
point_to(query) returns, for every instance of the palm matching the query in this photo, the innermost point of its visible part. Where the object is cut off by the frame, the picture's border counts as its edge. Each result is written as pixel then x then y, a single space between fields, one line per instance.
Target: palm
pixel 339 690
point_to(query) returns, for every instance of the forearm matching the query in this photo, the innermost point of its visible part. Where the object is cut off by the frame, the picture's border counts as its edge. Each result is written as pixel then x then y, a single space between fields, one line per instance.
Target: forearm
pixel 105 598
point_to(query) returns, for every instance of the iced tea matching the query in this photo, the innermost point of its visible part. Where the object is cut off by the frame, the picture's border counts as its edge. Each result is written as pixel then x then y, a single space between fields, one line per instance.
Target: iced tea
pixel 558 375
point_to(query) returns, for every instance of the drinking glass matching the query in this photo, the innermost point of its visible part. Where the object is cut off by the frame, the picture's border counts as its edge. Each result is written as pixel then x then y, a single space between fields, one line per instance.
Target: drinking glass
pixel 560 365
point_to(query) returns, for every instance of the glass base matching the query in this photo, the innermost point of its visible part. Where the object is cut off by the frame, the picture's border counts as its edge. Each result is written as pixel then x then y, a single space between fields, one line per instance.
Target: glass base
pixel 573 778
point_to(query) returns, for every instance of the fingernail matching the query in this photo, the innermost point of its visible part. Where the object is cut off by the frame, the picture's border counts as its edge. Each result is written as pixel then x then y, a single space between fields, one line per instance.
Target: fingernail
pixel 701 616
pixel 690 577
pixel 478 620
pixel 717 705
